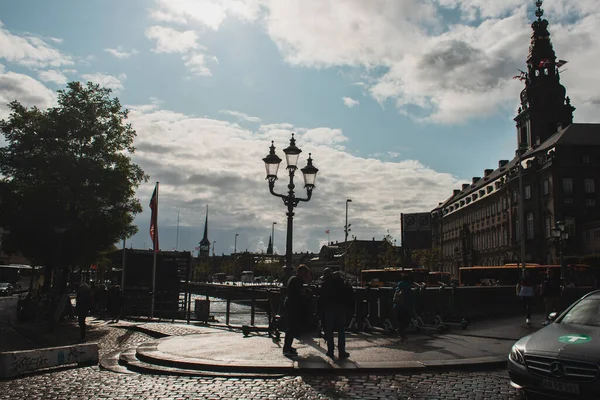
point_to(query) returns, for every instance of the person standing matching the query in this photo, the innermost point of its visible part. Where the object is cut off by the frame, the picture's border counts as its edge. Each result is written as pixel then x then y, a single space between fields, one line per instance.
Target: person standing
pixel 115 303
pixel 404 304
pixel 525 291
pixel 336 296
pixel 551 291
pixel 296 307
pixel 83 306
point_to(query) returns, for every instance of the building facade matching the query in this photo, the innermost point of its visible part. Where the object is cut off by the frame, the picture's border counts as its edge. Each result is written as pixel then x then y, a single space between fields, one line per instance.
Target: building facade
pixel 559 164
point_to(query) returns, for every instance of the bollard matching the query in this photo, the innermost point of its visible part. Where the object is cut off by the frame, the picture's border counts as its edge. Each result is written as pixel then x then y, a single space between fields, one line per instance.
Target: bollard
pixel 227 312
pixel 252 307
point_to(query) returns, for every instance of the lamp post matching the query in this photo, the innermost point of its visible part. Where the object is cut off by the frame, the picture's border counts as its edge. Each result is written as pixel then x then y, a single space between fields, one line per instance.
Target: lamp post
pixel 235 244
pixel 346 230
pixel 521 210
pixel 309 172
pixel 273 239
pixel 559 234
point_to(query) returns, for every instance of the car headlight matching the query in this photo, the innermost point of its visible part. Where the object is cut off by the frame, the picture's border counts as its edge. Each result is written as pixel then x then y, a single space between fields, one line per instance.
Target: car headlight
pixel 516 354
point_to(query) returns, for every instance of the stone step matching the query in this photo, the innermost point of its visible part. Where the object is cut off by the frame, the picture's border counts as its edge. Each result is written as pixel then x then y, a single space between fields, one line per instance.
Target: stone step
pixel 128 360
pixel 110 362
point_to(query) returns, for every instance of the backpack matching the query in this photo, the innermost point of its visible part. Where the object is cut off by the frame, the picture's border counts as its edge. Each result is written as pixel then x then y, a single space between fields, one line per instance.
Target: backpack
pixel 399 297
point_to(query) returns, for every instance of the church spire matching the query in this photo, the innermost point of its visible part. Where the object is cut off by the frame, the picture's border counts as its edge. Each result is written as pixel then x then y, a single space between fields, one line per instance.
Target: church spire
pixel 270 247
pixel 205 243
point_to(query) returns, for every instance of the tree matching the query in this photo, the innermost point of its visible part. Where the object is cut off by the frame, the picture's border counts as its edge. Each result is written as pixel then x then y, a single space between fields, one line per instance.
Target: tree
pixel 68 183
pixel 428 258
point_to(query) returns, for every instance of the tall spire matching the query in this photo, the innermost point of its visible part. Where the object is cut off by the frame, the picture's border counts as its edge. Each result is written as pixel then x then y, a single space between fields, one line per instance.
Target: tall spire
pixel 270 247
pixel 543 101
pixel 205 243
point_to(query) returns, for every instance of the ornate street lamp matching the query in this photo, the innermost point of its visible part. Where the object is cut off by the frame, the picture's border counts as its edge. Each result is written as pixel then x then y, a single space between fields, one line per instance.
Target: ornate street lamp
pixel 559 234
pixel 309 172
pixel 346 230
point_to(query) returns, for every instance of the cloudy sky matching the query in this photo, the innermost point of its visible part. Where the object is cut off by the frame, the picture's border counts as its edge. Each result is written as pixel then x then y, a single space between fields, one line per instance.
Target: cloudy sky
pixel 399 101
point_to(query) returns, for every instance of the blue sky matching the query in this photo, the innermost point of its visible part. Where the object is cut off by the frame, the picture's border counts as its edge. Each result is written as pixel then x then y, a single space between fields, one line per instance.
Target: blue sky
pixel 400 101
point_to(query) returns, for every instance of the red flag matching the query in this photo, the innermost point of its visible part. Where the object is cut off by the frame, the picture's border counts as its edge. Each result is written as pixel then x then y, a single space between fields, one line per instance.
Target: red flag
pixel 154 218
pixel 327 231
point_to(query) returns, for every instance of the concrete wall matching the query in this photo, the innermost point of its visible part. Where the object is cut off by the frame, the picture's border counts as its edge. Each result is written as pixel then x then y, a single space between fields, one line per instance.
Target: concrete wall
pixel 15 363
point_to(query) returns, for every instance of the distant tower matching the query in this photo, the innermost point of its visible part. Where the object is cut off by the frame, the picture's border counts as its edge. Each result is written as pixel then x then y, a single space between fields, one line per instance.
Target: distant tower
pixel 270 247
pixel 544 106
pixel 205 243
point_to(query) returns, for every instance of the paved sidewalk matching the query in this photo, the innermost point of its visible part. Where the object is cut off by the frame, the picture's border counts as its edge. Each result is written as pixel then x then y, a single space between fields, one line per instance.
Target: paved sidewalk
pixel 196 346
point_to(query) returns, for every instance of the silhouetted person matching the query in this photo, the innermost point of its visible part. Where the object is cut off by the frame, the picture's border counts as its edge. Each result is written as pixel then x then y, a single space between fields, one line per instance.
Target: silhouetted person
pixel 296 307
pixel 525 290
pixel 84 304
pixel 115 303
pixel 551 291
pixel 336 295
pixel 404 304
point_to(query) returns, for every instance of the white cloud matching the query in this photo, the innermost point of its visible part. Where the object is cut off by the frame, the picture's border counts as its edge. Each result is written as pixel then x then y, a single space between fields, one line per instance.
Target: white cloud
pixel 169 40
pixel 30 51
pixel 207 13
pixel 108 81
pixel 196 63
pixel 186 155
pixel 119 52
pixel 25 89
pixel 350 102
pixel 240 115
pixel 53 75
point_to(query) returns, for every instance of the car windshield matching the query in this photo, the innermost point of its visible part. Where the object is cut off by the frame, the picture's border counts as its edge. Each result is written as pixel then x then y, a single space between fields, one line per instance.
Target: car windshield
pixel 586 312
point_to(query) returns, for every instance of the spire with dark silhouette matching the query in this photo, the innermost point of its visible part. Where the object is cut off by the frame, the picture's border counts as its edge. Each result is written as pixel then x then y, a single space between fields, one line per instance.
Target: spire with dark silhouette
pixel 270 247
pixel 205 243
pixel 544 106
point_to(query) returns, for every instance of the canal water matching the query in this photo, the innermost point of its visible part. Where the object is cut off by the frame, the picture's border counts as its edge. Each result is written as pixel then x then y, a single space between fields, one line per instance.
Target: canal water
pixel 239 313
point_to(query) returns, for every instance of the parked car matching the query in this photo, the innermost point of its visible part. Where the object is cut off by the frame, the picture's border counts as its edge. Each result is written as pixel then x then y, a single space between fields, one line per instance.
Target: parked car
pixel 6 289
pixel 562 359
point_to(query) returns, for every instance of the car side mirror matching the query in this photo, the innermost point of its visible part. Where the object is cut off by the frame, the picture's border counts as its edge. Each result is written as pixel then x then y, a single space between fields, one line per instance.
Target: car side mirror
pixel 552 316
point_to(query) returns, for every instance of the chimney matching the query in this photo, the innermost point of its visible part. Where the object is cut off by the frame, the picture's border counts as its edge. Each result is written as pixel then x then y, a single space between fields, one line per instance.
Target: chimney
pixel 486 172
pixel 475 179
pixel 465 185
pixel 455 192
pixel 502 163
pixel 373 238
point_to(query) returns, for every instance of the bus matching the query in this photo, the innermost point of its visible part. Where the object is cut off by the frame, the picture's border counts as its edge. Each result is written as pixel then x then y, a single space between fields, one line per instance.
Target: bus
pixel 219 277
pixel 438 278
pixel 247 277
pixel 389 277
pixel 21 277
pixel 509 274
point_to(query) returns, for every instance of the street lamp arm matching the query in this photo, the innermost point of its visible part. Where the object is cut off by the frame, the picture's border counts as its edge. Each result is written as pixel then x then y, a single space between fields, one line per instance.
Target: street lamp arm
pixel 309 195
pixel 272 190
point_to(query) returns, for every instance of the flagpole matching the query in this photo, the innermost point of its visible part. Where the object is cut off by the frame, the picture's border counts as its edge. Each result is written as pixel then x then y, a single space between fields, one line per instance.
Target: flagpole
pixel 123 267
pixel 154 260
pixel 177 237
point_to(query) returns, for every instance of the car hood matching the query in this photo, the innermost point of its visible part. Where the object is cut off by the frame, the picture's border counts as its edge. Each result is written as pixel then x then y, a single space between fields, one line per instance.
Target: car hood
pixel 576 341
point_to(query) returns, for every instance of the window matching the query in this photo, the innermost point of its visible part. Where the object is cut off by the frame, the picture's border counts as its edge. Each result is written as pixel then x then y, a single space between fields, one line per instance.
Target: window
pixel 546 187
pixel 569 200
pixel 590 202
pixel 570 226
pixel 567 184
pixel 548 226
pixel 527 192
pixel 585 159
pixel 530 225
pixel 589 185
pixel 515 196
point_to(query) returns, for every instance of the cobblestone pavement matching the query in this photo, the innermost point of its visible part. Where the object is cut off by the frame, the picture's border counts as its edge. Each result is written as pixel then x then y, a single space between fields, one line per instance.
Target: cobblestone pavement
pixel 94 383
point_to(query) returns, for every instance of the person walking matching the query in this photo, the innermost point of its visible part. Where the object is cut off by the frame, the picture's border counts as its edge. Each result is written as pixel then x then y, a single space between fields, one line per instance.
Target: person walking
pixel 551 291
pixel 336 296
pixel 525 290
pixel 296 307
pixel 404 304
pixel 83 306
pixel 115 303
